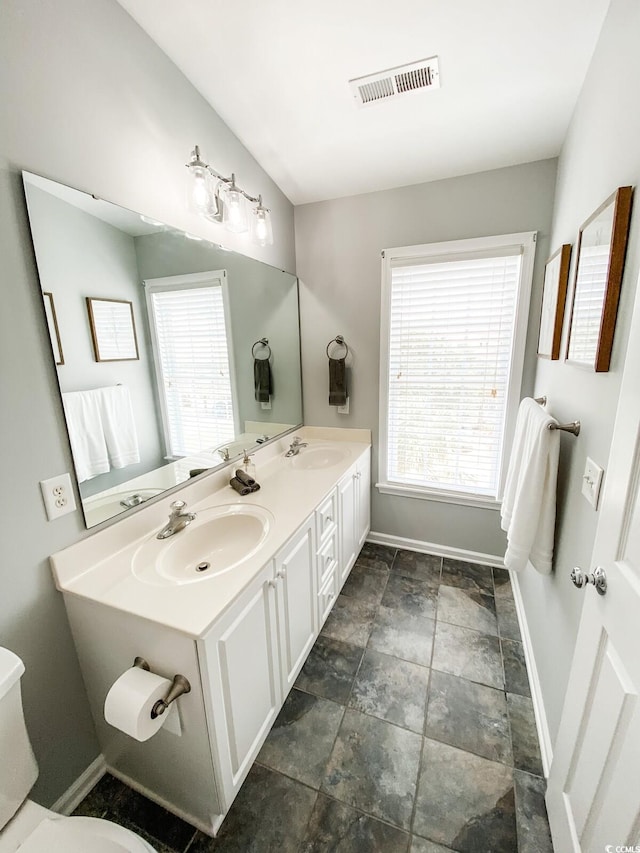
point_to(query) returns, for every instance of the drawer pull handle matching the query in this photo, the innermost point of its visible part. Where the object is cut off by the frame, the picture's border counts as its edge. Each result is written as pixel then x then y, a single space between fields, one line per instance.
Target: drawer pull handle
pixel 281 573
pixel 272 584
pixel 329 519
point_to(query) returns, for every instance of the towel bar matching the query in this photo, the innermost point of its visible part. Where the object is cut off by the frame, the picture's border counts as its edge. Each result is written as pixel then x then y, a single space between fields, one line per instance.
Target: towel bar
pixel 573 427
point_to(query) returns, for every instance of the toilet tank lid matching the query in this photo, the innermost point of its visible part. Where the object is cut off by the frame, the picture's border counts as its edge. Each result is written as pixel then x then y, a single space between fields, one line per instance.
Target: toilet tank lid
pixel 11 669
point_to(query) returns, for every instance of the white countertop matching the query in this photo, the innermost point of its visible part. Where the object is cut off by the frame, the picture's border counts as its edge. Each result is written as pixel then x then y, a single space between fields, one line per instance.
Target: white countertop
pixel 99 567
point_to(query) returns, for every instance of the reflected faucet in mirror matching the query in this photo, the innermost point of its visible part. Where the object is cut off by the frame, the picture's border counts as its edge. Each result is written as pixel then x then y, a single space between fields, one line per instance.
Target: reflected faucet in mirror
pixel 197 311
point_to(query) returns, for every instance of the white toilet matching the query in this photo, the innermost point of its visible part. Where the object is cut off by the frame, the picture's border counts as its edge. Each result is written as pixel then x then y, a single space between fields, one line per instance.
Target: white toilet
pixel 25 826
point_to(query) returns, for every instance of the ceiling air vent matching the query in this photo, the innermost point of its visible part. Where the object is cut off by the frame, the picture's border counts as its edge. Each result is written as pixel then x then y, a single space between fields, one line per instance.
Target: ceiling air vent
pixel 423 74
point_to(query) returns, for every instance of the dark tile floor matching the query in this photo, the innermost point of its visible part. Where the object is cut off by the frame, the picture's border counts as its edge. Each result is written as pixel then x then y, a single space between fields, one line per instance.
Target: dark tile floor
pixel 409 730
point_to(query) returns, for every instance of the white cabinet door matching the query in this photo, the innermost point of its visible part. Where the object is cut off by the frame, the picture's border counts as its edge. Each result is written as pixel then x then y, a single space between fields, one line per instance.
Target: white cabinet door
pixel 347 515
pixel 242 667
pixel 593 796
pixel 297 597
pixel 363 500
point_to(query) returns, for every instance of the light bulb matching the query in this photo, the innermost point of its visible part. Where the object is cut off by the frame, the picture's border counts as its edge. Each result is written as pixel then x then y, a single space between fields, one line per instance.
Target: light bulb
pixel 235 210
pixel 262 233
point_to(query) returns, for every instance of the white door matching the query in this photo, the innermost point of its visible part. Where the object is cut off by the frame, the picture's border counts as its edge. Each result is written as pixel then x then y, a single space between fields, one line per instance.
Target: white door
pixel 297 613
pixel 593 795
pixel 347 515
pixel 241 668
pixel 363 477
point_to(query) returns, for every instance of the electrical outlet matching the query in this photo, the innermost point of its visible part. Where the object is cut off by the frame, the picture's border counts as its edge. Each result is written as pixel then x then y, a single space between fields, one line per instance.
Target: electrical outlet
pixel 591 482
pixel 58 496
pixel 344 410
pixel 266 405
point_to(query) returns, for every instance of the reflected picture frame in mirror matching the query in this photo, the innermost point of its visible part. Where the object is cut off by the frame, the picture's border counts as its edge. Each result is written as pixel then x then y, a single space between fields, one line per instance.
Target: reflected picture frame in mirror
pixel 54 329
pixel 601 249
pixel 113 329
pixel 128 254
pixel 554 296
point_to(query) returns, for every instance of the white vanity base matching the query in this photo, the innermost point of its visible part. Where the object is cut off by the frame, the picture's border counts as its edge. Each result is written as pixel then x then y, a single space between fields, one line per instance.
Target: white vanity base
pixel 240 639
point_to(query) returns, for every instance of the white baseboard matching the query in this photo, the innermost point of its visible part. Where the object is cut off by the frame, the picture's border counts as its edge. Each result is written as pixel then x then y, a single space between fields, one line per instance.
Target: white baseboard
pixel 151 795
pixel 76 793
pixel 433 548
pixel 542 725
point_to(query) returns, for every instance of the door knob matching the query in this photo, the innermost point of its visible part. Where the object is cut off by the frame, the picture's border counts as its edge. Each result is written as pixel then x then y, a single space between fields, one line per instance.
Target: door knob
pixel 598 578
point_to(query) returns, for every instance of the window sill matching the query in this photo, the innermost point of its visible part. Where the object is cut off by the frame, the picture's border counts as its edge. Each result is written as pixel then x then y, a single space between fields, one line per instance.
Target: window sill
pixel 479 501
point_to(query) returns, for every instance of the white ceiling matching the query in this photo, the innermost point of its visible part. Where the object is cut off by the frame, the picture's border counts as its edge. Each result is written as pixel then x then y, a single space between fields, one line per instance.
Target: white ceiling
pixel 277 72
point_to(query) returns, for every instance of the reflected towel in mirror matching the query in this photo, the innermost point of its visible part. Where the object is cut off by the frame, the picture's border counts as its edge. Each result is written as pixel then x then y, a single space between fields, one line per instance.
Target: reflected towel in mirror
pixel 88 445
pixel 262 380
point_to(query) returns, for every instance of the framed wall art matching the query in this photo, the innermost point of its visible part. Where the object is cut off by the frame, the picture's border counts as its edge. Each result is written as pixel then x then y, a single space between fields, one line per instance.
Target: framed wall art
pixel 602 244
pixel 554 295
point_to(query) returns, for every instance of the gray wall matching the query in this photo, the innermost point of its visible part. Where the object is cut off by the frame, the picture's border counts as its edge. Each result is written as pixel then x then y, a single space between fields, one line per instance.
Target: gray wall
pixel 80 255
pixel 601 153
pixel 88 100
pixel 263 302
pixel 338 245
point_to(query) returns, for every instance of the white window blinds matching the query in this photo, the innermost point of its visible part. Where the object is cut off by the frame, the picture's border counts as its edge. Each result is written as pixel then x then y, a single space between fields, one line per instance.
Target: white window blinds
pixel 451 337
pixel 192 353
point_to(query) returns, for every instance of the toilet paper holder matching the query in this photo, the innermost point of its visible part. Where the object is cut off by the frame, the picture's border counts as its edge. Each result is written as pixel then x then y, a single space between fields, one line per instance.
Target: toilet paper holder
pixel 179 685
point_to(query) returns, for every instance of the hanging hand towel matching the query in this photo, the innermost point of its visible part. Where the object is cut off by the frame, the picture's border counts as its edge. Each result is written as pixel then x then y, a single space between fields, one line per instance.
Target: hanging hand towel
pixel 529 503
pixel 262 379
pixel 338 382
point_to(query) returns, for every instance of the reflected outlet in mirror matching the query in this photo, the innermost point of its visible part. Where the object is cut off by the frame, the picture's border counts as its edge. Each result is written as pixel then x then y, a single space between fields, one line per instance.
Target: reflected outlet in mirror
pixel 176 381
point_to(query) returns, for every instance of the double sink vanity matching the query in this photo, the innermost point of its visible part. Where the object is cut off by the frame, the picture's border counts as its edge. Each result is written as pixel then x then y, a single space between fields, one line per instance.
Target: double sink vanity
pixel 234 602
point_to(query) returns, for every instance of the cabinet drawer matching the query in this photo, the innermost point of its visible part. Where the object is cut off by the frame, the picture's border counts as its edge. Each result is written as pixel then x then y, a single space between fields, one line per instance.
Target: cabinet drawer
pixel 327 597
pixel 327 557
pixel 326 516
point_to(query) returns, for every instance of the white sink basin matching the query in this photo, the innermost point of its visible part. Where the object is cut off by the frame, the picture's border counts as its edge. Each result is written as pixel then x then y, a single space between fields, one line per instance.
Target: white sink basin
pixel 217 541
pixel 319 456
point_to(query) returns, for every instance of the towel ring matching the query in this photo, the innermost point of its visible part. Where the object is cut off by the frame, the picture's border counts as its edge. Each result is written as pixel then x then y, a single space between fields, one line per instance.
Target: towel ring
pixel 263 342
pixel 341 343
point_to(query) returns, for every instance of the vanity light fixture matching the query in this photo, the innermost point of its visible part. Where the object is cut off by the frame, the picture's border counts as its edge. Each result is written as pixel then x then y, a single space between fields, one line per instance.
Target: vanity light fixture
pixel 220 199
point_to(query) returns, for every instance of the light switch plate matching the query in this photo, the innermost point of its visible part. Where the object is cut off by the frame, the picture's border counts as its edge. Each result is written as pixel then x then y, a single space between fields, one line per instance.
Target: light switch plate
pixel 591 482
pixel 266 405
pixel 344 410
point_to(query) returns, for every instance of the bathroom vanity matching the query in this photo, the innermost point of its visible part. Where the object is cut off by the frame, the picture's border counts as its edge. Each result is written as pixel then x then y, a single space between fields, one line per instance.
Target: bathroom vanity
pixel 239 629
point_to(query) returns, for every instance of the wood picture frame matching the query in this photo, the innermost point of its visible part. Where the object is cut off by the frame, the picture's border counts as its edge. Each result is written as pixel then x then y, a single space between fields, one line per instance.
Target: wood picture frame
pixel 113 329
pixel 602 245
pixel 52 325
pixel 554 296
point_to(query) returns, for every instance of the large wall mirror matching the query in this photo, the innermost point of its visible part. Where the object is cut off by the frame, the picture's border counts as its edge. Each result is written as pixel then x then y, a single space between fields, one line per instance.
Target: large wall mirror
pixel 178 354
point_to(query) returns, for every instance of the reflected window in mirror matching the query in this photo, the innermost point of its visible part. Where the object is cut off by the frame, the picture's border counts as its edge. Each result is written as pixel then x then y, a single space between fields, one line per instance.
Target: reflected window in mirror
pixel 192 355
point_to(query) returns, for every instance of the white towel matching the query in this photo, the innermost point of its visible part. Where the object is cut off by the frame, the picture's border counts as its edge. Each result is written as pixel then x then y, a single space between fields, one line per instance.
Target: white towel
pixel 118 425
pixel 529 502
pixel 85 434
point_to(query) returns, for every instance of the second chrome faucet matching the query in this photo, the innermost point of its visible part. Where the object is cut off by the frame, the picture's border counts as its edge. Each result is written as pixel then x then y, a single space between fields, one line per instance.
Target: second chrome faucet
pixel 296 444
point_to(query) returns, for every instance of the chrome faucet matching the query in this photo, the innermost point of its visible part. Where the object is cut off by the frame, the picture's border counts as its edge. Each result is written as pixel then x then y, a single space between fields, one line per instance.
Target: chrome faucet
pixel 296 444
pixel 178 520
pixel 224 453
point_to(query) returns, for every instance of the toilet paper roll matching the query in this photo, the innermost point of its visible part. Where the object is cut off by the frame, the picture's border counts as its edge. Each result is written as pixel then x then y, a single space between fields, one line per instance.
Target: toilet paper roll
pixel 130 700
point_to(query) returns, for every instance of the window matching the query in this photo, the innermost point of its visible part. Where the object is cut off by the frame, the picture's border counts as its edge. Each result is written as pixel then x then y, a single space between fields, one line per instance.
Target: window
pixel 454 318
pixel 192 356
